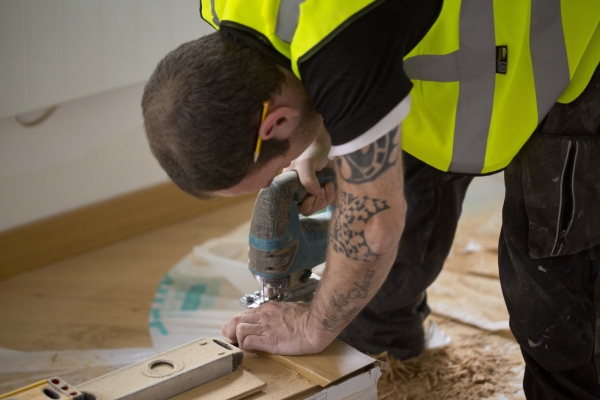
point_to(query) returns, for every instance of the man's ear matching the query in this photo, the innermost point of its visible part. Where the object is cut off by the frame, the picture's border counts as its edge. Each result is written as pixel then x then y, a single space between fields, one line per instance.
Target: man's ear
pixel 279 123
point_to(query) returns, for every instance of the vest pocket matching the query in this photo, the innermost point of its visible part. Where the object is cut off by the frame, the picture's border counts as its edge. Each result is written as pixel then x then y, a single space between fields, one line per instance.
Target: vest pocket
pixel 561 188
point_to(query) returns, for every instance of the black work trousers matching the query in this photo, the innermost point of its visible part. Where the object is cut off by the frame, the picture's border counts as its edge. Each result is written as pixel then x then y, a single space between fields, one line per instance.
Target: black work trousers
pixel 549 251
pixel 393 319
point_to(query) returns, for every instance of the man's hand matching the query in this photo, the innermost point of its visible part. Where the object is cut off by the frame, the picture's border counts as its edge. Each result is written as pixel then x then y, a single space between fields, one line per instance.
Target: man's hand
pixel 279 328
pixel 363 241
pixel 314 159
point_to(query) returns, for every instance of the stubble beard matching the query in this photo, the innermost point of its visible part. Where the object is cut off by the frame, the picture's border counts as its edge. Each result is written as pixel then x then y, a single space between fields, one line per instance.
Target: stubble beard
pixel 310 123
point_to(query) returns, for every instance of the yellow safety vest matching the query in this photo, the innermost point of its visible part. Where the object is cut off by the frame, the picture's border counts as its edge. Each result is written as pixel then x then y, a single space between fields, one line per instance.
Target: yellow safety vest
pixel 484 76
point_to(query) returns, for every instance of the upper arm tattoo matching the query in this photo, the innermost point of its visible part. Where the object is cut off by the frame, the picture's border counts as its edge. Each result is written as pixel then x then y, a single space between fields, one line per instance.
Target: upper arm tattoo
pixel 367 164
pixel 348 229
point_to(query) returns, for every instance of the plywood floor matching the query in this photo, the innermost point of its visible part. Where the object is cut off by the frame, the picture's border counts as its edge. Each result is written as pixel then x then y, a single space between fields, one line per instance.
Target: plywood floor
pixel 101 300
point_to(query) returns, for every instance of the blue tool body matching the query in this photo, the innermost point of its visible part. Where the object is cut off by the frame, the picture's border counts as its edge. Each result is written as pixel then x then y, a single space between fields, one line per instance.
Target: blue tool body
pixel 281 242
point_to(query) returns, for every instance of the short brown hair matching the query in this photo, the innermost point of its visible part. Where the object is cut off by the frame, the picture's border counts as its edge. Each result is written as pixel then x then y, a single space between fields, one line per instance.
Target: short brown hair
pixel 201 111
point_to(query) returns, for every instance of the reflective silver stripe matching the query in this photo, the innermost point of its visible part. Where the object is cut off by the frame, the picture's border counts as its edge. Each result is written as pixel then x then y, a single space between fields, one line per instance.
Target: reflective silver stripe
pixel 477 83
pixel 548 54
pixel 473 65
pixel 287 19
pixel 215 19
pixel 445 68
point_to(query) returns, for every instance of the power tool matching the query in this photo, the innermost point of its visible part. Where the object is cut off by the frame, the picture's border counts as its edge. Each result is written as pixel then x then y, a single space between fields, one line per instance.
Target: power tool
pixel 284 247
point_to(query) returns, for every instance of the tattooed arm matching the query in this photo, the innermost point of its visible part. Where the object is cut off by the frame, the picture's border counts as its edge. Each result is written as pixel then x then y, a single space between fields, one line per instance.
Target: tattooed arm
pixel 365 232
pixel 364 236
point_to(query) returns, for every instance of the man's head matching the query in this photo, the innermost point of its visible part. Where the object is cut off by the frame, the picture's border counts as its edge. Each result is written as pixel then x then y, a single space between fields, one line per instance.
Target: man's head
pixel 202 109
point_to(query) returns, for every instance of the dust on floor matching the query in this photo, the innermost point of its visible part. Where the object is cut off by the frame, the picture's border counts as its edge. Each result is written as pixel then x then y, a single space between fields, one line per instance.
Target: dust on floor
pixel 475 365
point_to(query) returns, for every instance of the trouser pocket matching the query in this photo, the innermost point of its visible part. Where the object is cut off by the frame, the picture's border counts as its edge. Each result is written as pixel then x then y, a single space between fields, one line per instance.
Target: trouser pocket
pixel 561 190
pixel 561 177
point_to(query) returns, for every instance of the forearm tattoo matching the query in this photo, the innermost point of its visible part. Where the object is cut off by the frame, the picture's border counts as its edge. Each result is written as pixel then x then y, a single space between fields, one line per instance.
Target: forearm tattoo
pixel 348 227
pixel 352 215
pixel 340 307
pixel 369 163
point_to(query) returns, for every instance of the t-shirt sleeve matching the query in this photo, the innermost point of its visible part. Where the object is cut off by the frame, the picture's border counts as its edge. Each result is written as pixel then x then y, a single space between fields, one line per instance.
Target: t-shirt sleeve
pixel 381 128
pixel 357 82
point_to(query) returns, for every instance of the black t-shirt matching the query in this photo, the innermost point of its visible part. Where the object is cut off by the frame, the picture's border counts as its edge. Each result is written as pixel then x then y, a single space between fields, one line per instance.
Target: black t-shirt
pixel 356 81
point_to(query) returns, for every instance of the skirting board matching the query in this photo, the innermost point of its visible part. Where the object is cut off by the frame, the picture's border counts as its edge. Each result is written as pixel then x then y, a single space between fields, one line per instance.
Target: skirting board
pixel 75 232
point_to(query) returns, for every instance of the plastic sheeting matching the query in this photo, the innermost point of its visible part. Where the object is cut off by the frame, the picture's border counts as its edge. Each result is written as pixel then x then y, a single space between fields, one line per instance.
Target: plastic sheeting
pixel 199 294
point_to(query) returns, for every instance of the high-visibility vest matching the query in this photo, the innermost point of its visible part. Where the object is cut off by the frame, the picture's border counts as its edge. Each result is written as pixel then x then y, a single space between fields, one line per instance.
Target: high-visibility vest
pixel 485 74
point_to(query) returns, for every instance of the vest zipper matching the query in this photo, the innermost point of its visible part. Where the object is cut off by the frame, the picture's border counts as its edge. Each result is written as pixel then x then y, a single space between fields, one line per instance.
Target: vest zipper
pixel 567 200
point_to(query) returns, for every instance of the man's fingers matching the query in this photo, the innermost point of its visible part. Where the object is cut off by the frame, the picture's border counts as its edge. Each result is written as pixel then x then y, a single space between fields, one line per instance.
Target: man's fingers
pixel 307 205
pixel 329 193
pixel 256 343
pixel 275 327
pixel 243 331
pixel 230 328
pixel 309 180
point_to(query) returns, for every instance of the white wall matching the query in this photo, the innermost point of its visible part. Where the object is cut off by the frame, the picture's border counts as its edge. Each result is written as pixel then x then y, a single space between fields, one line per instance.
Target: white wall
pixel 52 51
pixel 92 148
pixel 87 151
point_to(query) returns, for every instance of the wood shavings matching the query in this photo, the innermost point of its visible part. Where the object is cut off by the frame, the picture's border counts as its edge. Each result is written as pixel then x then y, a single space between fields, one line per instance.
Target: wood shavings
pixel 473 366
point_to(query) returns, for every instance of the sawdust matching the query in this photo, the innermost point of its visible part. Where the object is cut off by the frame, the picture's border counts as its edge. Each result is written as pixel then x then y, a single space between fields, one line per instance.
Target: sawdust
pixel 476 365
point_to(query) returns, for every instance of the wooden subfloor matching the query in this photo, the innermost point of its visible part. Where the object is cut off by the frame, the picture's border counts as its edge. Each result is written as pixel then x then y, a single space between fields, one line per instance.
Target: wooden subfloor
pixel 101 299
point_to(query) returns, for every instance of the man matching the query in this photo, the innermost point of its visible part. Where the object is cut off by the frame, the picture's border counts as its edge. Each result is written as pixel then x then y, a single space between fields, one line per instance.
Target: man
pixel 334 79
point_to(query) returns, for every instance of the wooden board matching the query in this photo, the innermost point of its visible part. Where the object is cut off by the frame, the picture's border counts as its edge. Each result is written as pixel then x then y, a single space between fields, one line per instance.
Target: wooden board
pixel 237 385
pixel 282 383
pixel 335 362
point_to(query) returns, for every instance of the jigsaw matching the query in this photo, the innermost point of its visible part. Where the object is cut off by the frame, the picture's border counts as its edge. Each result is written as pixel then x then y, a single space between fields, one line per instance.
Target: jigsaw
pixel 283 246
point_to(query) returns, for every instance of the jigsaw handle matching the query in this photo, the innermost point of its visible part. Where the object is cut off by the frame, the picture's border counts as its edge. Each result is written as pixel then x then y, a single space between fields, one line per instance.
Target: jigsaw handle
pixel 280 242
pixel 324 176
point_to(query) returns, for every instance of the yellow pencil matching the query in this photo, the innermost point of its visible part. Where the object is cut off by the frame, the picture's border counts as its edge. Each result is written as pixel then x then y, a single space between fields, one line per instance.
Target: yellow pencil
pixel 259 140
